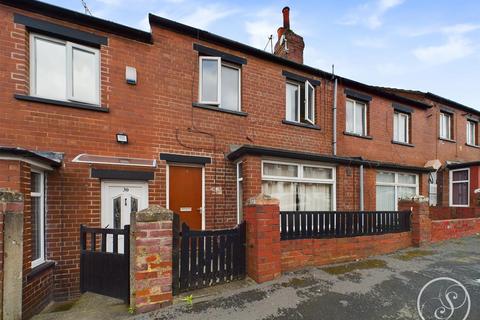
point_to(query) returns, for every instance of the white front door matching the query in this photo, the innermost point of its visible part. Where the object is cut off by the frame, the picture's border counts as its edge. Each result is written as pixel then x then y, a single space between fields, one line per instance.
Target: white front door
pixel 119 200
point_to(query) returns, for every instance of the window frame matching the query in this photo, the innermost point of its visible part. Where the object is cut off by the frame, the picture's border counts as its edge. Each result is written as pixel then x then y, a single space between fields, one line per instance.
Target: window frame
pixel 396 128
pixel 239 183
pixel 365 116
pixel 473 138
pixel 40 195
pixel 301 179
pixel 220 64
pixel 69 47
pixel 396 184
pixel 307 84
pixel 450 186
pixel 450 125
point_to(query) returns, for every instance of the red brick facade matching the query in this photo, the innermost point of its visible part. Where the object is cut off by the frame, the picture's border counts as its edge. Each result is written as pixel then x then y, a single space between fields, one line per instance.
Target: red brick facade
pixel 159 116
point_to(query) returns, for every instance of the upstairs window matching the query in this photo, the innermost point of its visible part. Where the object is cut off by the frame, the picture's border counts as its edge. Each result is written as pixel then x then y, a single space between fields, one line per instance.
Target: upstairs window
pixel 356 117
pixel 219 83
pixel 472 132
pixel 62 70
pixel 401 127
pixel 300 102
pixel 459 186
pixel 446 126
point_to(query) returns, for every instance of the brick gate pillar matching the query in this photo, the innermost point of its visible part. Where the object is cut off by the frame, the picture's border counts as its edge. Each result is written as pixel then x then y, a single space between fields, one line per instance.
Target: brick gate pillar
pixel 262 216
pixel 420 221
pixel 151 259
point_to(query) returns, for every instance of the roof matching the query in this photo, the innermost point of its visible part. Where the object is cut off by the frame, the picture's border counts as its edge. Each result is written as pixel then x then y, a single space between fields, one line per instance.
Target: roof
pixel 300 155
pixel 459 165
pixel 53 159
pixel 235 45
pixel 433 97
pixel 60 13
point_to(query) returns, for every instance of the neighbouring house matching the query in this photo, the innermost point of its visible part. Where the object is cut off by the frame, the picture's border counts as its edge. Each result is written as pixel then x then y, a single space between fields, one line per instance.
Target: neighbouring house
pixel 100 120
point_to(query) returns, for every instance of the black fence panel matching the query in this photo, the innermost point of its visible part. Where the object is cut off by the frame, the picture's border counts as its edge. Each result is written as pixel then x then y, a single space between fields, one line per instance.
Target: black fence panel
pixel 206 258
pixel 103 271
pixel 338 224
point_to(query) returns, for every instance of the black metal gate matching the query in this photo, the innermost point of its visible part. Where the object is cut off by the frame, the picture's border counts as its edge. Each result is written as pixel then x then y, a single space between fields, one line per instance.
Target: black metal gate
pixel 103 272
pixel 207 258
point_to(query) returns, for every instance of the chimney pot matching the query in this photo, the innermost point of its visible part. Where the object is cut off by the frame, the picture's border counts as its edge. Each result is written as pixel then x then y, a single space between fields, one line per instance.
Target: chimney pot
pixel 286 18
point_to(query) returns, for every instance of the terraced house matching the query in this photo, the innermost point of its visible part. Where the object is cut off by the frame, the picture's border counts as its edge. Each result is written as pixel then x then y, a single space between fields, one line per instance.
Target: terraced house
pixel 100 120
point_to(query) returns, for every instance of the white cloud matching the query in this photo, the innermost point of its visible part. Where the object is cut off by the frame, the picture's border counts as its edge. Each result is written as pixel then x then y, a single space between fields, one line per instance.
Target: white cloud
pixel 265 24
pixel 370 14
pixel 370 42
pixel 456 46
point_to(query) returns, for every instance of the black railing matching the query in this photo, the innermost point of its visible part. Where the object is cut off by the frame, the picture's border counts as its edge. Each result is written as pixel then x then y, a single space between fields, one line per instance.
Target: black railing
pixel 338 224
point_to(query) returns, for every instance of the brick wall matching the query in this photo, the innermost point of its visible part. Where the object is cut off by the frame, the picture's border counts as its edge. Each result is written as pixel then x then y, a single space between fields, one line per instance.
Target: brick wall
pixel 454 229
pixel 37 292
pixel 298 254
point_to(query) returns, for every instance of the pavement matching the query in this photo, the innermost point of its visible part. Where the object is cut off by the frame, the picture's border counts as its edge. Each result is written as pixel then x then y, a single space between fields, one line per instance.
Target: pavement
pixel 381 287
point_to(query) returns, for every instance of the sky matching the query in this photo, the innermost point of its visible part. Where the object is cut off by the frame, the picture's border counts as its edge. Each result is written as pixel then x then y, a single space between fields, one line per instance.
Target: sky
pixel 428 45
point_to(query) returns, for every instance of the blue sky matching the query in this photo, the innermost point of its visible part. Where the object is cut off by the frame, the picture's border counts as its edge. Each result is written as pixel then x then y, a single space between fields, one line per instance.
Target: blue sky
pixel 413 44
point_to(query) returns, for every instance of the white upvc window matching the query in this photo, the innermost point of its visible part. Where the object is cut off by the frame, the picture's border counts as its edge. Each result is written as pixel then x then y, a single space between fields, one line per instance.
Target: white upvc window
pixel 300 102
pixel 299 186
pixel 459 187
pixel 63 70
pixel 220 83
pixel 472 132
pixel 239 192
pixel 37 195
pixel 356 117
pixel 401 127
pixel 392 186
pixel 445 125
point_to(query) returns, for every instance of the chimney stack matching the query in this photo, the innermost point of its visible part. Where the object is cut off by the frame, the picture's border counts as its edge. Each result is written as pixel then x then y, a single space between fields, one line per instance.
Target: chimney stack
pixel 289 45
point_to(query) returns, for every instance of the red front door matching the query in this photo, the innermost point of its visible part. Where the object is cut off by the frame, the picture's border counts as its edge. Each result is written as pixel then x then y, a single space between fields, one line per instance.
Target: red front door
pixel 185 194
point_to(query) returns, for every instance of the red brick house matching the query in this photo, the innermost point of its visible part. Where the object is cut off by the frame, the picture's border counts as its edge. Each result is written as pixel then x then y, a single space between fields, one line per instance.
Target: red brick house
pixel 100 120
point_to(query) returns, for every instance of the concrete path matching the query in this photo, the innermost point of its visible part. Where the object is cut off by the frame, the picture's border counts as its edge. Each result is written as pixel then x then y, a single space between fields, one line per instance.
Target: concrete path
pixel 383 287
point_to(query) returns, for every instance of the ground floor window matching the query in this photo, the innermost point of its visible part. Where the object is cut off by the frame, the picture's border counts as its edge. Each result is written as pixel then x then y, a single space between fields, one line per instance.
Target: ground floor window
pixel 299 187
pixel 37 195
pixel 459 186
pixel 392 186
pixel 239 192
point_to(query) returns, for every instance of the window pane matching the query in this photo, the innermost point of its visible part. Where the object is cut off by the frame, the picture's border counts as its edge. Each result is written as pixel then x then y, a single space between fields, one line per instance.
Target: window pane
pixel 395 126
pixel 50 69
pixel 314 197
pixel 406 192
pixel 35 182
pixel 460 193
pixel 471 133
pixel 359 118
pixel 209 80
pixel 460 175
pixel 240 170
pixel 240 201
pixel 117 213
pixel 85 76
pixel 385 198
pixel 385 177
pixel 283 191
pixel 292 102
pixel 133 204
pixel 350 118
pixel 36 228
pixel 402 128
pixel 311 106
pixel 317 173
pixel 230 86
pixel 407 178
pixel 280 170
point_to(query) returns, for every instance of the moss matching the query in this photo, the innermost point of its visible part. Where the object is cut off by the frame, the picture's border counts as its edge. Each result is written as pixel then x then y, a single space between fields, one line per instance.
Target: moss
pixel 351 267
pixel 410 255
pixel 63 306
pixel 298 283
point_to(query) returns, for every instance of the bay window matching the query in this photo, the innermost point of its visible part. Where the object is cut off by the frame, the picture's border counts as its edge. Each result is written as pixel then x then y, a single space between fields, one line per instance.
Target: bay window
pixel 401 127
pixel 459 188
pixel 299 187
pixel 300 102
pixel 37 196
pixel 219 83
pixel 392 186
pixel 356 117
pixel 63 70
